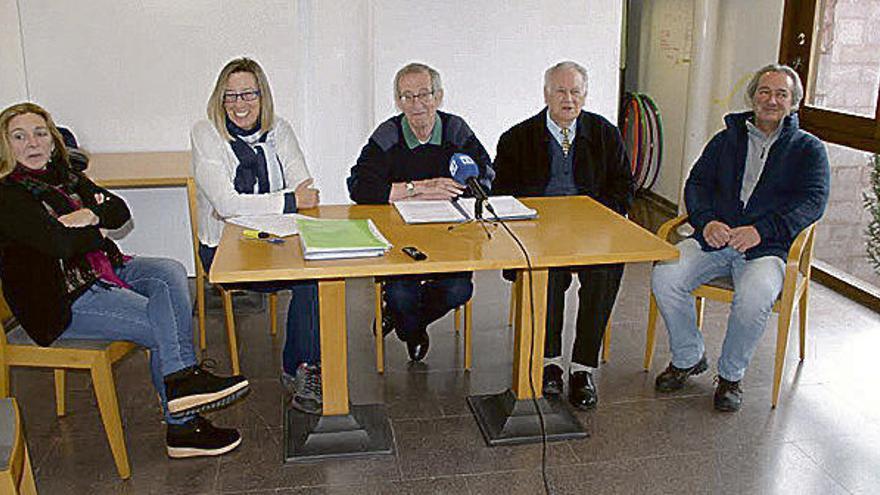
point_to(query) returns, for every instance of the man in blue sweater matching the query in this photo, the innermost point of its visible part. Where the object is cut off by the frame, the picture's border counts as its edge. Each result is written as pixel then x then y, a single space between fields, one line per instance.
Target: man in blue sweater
pixel 407 158
pixel 757 184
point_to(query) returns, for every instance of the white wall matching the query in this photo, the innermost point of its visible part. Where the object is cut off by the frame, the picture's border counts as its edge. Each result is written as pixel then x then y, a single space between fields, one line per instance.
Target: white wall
pixel 747 38
pixel 492 55
pixel 664 62
pixel 12 81
pixel 134 76
pixel 742 51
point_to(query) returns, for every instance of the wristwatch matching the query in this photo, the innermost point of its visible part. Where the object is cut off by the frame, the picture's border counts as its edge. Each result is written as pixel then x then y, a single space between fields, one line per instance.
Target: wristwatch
pixel 410 189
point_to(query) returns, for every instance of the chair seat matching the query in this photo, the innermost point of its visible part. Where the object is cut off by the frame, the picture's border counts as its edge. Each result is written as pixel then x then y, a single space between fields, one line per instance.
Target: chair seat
pixel 18 336
pixel 726 283
pixel 7 432
pixel 721 283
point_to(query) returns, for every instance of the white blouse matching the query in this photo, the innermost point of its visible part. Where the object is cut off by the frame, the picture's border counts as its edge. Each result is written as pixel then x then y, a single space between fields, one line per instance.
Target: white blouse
pixel 214 165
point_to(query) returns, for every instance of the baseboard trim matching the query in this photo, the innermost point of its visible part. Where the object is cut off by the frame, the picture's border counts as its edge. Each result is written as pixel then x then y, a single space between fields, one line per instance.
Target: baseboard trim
pixel 663 205
pixel 847 285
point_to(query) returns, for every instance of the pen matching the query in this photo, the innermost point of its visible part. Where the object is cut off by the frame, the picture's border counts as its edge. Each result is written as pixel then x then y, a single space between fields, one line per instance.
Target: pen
pixel 261 236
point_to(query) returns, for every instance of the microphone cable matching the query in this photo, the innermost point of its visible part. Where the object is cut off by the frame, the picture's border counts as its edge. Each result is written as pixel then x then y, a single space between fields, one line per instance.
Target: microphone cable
pixel 525 252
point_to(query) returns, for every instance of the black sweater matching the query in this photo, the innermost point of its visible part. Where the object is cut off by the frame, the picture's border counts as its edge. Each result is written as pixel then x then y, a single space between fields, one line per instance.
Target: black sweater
pixel 386 159
pixel 601 168
pixel 33 246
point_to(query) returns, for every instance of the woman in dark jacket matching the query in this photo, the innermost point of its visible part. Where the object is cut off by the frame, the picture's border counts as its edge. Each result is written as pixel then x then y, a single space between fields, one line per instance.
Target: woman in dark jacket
pixel 63 279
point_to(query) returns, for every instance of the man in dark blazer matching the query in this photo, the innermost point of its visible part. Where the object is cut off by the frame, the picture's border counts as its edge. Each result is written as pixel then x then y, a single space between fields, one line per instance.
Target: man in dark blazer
pixel 564 151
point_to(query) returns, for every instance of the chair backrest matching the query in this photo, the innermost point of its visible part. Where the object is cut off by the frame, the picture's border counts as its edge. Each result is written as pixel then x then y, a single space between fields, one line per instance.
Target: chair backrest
pixel 802 250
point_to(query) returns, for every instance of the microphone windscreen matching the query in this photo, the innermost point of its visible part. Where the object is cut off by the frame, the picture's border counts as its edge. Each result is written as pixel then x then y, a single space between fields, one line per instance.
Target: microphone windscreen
pixel 462 167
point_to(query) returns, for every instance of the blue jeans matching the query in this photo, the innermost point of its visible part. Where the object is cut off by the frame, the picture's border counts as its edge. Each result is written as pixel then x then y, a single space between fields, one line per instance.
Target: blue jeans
pixel 416 301
pixel 302 338
pixel 757 284
pixel 155 313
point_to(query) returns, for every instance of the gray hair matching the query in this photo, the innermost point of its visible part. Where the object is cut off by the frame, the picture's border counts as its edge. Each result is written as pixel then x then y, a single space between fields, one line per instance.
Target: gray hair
pixel 418 68
pixel 797 88
pixel 567 64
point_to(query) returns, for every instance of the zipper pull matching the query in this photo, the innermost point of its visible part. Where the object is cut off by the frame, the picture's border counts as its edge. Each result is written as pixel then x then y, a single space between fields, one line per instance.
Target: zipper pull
pixel 763 151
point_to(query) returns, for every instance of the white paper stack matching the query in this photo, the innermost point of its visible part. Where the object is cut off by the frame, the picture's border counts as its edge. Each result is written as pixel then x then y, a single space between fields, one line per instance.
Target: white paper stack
pixel 281 225
pixel 461 210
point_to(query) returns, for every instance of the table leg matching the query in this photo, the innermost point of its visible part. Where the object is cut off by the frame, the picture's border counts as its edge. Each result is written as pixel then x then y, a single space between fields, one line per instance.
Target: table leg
pixel 523 350
pixel 342 430
pixel 511 417
pixel 334 346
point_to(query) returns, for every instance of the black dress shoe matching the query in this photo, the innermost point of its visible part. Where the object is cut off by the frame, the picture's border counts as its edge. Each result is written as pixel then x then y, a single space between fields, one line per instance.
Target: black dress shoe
pixel 582 391
pixel 417 346
pixel 387 324
pixel 552 382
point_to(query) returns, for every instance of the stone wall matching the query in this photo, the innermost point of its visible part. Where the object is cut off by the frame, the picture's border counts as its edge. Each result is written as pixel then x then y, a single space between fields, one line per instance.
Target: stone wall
pixel 847 79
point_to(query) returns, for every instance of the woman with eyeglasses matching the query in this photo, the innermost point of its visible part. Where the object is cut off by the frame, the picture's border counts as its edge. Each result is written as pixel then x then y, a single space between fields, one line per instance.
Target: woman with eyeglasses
pixel 247 161
pixel 64 279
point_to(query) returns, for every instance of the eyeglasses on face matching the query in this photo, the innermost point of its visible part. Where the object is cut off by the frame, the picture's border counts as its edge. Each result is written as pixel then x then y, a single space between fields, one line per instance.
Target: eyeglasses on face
pixel 422 96
pixel 251 95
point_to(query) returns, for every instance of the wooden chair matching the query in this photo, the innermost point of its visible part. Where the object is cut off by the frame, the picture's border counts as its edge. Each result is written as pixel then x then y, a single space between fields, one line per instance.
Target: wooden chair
pixel 16 474
pixel 226 295
pixel 606 339
pixel 17 349
pixel 795 291
pixel 380 340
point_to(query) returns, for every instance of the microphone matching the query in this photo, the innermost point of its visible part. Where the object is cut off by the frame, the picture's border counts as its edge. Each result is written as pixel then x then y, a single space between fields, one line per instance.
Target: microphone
pixel 464 170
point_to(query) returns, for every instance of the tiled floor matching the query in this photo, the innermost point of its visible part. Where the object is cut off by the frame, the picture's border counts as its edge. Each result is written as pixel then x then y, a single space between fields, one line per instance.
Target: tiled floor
pixel 822 439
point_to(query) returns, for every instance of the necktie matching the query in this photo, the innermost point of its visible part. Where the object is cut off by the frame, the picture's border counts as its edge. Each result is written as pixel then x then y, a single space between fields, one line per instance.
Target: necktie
pixel 566 144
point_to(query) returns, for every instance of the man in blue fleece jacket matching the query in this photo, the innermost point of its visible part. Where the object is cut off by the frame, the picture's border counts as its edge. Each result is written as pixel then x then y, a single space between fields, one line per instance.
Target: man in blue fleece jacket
pixel 757 184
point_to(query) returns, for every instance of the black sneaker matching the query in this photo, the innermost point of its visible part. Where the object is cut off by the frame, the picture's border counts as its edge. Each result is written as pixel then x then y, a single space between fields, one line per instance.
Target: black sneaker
pixel 194 389
pixel 305 388
pixel 728 395
pixel 674 378
pixel 199 437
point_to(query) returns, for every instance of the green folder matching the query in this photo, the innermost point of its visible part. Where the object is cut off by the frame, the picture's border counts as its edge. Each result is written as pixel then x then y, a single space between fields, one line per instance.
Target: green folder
pixel 330 239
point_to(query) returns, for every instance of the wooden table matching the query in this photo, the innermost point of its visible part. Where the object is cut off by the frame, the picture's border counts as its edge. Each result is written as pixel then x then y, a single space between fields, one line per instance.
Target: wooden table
pixel 570 231
pixel 155 169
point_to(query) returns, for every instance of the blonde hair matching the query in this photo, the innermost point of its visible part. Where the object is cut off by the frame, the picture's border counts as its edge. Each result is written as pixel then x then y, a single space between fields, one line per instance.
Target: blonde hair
pixel 216 110
pixel 7 158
